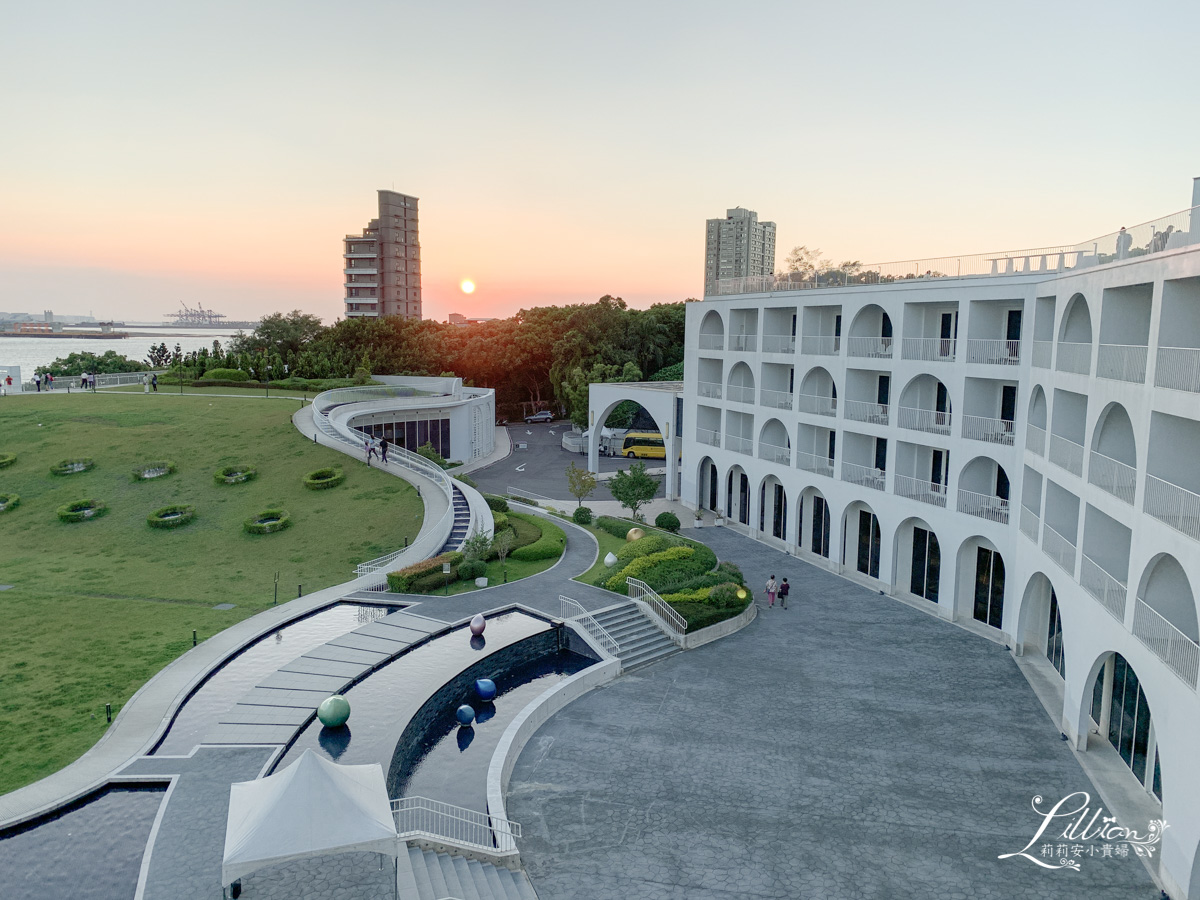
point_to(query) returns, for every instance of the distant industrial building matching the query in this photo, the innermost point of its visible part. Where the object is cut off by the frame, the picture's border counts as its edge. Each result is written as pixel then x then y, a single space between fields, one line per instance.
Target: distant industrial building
pixel 383 264
pixel 460 319
pixel 737 246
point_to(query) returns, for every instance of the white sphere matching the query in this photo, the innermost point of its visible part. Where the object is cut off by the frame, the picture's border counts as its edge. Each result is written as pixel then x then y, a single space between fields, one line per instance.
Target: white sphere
pixel 610 560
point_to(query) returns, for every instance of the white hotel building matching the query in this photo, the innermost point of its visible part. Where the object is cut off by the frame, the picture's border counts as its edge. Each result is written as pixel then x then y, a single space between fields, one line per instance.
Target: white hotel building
pixel 1009 441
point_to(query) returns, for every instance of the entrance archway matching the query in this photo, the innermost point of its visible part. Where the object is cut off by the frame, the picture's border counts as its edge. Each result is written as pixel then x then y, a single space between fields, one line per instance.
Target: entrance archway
pixel 862 539
pixel 918 560
pixel 813 523
pixel 981 582
pixel 737 495
pixel 707 485
pixel 772 508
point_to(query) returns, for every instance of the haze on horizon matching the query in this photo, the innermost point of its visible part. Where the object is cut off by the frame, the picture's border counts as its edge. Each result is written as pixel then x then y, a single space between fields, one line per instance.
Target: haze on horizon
pixel 218 152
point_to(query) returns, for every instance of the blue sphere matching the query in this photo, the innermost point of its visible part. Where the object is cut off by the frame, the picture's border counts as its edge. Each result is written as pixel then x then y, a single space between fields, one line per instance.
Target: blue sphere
pixel 486 689
pixel 465 715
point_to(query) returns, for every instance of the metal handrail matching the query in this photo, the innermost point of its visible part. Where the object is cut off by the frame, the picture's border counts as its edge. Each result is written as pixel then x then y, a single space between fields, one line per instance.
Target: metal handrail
pixel 865 411
pixel 671 623
pixel 867 476
pixel 1173 505
pixel 1112 475
pixel 1066 454
pixel 1058 548
pixel 1110 591
pixel 1030 523
pixel 928 349
pixel 573 611
pixel 423 817
pixel 1168 643
pixel 988 429
pixel 1178 369
pixel 919 489
pixel 983 506
pixel 818 404
pixel 932 421
pixel 1035 439
pixel 993 352
pixel 1122 362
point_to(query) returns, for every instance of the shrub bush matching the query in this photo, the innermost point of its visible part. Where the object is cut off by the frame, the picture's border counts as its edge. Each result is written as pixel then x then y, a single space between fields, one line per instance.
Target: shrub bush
pixel 701 615
pixel 549 546
pixel 699 595
pixel 472 569
pixel 668 521
pixel 651 543
pixel 330 476
pixel 643 565
pixel 82 510
pixel 526 529
pixel 72 466
pixel 151 470
pixel 9 501
pixel 426 450
pixel 729 572
pixel 499 522
pixel 171 516
pixel 615 527
pixel 268 522
pixel 725 595
pixel 236 375
pixel 235 475
pixel 465 479
pixel 7 459
pixel 403 580
pixel 519 499
pixel 582 515
pixel 498 504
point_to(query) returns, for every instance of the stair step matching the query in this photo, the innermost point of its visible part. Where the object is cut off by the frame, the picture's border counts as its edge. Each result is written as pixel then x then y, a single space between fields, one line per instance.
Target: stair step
pixel 524 888
pixel 436 879
pixel 644 657
pixel 453 886
pixel 466 878
pixel 491 879
pixel 512 890
pixel 406 876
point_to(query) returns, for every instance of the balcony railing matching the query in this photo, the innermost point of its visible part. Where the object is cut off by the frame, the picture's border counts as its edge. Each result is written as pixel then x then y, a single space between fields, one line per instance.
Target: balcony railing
pixel 1030 523
pixel 775 453
pixel 1035 439
pixel 995 353
pixel 745 342
pixel 1066 453
pixel 712 341
pixel 708 436
pixel 820 344
pixel 869 347
pixel 930 420
pixel 709 389
pixel 928 349
pixel 1074 357
pixel 919 489
pixel 1122 362
pixel 739 444
pixel 1167 642
pixel 740 393
pixel 864 475
pixel 811 462
pixel 865 411
pixel 777 399
pixel 992 431
pixel 1104 587
pixel 1178 368
pixel 984 506
pixel 821 406
pixel 1112 475
pixel 1043 351
pixel 779 343
pixel 1059 549
pixel 1176 506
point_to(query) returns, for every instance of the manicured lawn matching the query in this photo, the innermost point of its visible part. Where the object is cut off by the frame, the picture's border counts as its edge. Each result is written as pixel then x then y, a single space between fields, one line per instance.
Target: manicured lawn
pixel 166 387
pixel 517 569
pixel 608 544
pixel 97 607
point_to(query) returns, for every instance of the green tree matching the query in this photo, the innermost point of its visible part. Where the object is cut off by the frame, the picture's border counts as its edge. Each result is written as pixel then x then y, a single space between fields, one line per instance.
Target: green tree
pixel 580 482
pixel 108 363
pixel 502 543
pixel 633 487
pixel 576 389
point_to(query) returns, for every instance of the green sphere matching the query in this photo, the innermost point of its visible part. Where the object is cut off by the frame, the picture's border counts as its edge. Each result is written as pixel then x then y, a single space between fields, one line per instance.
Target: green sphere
pixel 334 711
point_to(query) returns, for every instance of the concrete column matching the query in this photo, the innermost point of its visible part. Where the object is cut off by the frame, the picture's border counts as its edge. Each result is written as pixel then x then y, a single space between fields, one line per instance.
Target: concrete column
pixel 1106 697
pixel 593 450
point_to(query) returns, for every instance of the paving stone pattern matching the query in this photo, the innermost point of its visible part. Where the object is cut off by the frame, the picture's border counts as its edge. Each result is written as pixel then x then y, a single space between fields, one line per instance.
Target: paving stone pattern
pixel 849 747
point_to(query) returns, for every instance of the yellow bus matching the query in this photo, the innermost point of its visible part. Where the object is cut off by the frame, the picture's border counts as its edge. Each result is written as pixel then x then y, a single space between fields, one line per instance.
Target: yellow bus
pixel 645 444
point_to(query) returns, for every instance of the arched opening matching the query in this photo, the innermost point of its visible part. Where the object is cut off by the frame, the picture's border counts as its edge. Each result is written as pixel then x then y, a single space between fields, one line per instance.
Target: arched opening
pixel 712 331
pixel 1075 337
pixel 1040 628
pixel 741 383
pixel 983 490
pixel 774 443
pixel 981 582
pixel 1113 462
pixel 1121 713
pixel 870 334
pixel 772 508
pixel 1165 589
pixel 737 495
pixel 707 484
pixel 813 522
pixel 862 539
pixel 1037 407
pixel 918 559
pixel 925 405
pixel 818 392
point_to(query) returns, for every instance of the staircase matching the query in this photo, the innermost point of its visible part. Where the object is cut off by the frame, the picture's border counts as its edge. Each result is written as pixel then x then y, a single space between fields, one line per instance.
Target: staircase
pixel 426 875
pixel 641 640
pixel 462 523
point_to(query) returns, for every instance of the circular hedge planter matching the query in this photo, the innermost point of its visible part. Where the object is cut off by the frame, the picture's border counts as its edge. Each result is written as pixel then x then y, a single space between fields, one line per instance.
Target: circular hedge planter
pixel 235 475
pixel 9 501
pixel 171 516
pixel 7 459
pixel 324 478
pixel 268 522
pixel 73 466
pixel 82 510
pixel 152 470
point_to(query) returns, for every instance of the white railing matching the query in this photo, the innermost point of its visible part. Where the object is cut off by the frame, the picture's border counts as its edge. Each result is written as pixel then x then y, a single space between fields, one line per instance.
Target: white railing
pixel 779 343
pixel 777 399
pixel 712 341
pixel 1074 357
pixel 774 453
pixel 739 444
pixel 574 612
pixel 984 506
pixel 930 420
pixel 820 344
pixel 1122 362
pixel 1035 439
pixel 709 389
pixel 1059 549
pixel 1066 453
pixel 418 817
pixel 865 411
pixel 1030 521
pixel 821 406
pixel 740 393
pixel 1043 352
pixel 1167 642
pixel 995 353
pixel 929 349
pixel 671 623
pixel 867 476
pixel 811 462
pixel 919 489
pixel 984 428
pixel 869 347
pixel 1112 475
pixel 1178 368
pixel 1176 506
pixel 708 436
pixel 1104 587
pixel 746 342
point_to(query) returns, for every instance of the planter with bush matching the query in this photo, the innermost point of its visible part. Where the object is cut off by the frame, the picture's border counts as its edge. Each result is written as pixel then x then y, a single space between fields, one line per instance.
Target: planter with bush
pixel 667 521
pixel 82 510
pixel 151 470
pixel 9 501
pixel 235 474
pixel 330 476
pixel 582 515
pixel 171 516
pixel 268 522
pixel 496 504
pixel 73 466
pixel 416 578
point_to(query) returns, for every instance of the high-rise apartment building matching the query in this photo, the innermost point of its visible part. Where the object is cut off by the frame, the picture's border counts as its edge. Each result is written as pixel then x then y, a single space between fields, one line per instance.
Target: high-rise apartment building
pixel 736 246
pixel 383 264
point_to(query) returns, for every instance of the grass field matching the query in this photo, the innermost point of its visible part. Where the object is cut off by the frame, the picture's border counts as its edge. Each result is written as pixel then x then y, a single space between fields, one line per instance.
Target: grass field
pixel 97 607
pixel 608 544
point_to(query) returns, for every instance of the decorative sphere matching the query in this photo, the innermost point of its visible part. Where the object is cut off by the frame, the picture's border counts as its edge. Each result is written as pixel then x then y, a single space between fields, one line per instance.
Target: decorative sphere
pixel 334 711
pixel 741 593
pixel 486 689
pixel 634 534
pixel 610 560
pixel 478 624
pixel 465 715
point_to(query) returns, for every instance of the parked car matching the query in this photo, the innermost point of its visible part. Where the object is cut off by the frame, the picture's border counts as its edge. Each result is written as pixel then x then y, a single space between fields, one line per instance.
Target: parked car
pixel 544 416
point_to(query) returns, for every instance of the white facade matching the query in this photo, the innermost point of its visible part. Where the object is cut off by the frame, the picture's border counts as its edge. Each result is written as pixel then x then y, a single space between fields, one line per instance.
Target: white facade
pixel 737 246
pixel 1041 425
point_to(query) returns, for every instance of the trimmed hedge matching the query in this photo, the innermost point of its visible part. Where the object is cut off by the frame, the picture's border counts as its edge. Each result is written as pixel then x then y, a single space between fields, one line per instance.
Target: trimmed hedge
pixel 235 375
pixel 151 470
pixel 82 510
pixel 403 581
pixel 643 565
pixel 465 479
pixel 268 521
pixel 330 476
pixel 582 515
pixel 171 516
pixel 615 527
pixel 73 466
pixel 9 501
pixel 651 543
pixel 235 474
pixel 526 530
pixel 549 546
pixel 499 522
pixel 496 504
pixel 7 459
pixel 472 569
pixel 667 521
pixel 701 615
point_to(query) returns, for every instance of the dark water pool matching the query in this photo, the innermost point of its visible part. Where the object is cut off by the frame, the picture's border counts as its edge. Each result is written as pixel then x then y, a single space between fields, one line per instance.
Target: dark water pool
pixel 90 851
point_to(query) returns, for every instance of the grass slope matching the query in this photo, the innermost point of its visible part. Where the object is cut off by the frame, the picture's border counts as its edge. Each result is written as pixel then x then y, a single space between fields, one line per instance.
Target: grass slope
pixel 98 607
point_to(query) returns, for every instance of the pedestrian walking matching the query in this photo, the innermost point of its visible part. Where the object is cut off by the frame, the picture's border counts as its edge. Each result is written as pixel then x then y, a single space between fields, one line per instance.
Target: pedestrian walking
pixel 772 587
pixel 37 379
pixel 783 593
pixel 154 382
pixel 383 450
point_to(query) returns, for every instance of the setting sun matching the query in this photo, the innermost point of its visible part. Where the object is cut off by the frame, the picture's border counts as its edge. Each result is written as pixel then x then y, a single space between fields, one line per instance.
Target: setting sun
pixel 468 286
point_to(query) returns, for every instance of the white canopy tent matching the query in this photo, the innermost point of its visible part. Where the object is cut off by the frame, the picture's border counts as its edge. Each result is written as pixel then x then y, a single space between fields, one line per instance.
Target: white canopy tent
pixel 312 808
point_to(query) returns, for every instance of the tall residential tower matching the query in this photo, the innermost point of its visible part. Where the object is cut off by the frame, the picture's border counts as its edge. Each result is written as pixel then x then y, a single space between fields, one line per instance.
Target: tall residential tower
pixel 383 264
pixel 736 246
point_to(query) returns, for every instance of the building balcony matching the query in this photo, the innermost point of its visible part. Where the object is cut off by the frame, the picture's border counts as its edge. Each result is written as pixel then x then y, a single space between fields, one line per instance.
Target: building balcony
pixel 365 270
pixel 777 399
pixel 820 345
pixel 1113 476
pixel 1035 439
pixel 361 284
pixel 1110 592
pixel 928 349
pixel 709 389
pixel 928 420
pixel 919 489
pixel 1167 642
pixel 775 453
pixel 818 405
pixel 779 343
pixel 1178 369
pixel 1122 362
pixel 988 430
pixel 870 347
pixel 995 353
pixel 1066 454
pixel 739 444
pixel 1059 549
pixel 865 411
pixel 867 476
pixel 708 436
pixel 1173 505
pixel 811 462
pixel 712 342
pixel 983 506
pixel 740 393
pixel 746 343
pixel 1031 522
pixel 1043 351
pixel 1074 357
